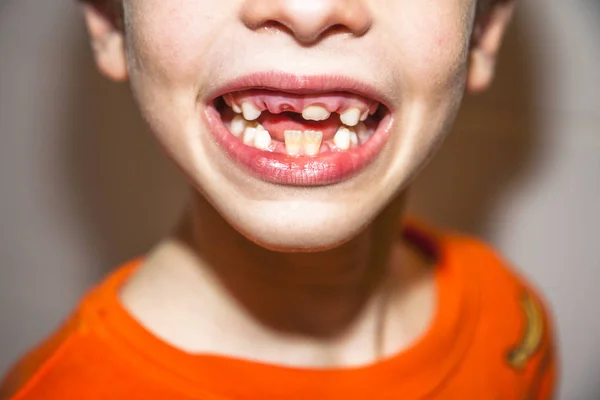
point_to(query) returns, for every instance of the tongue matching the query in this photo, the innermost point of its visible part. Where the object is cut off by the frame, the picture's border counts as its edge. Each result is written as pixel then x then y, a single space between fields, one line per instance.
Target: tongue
pixel 277 124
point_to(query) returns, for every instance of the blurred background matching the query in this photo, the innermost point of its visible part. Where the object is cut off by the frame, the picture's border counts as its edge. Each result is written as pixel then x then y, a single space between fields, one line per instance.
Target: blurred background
pixel 83 187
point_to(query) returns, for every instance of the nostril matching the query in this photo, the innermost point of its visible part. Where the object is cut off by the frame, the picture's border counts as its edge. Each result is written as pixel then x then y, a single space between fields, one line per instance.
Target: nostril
pixel 276 27
pixel 271 25
pixel 308 21
pixel 336 30
pixel 303 37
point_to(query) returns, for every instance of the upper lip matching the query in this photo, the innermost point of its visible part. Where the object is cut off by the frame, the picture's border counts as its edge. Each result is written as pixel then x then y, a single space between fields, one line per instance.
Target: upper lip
pixel 302 84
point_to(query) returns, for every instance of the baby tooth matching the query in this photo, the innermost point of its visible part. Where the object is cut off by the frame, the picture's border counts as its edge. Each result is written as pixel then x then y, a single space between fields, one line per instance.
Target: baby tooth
pixel 353 139
pixel 238 125
pixel 250 112
pixel 342 138
pixel 230 101
pixel 362 132
pixel 293 142
pixel 311 142
pixel 315 113
pixel 373 108
pixel 364 116
pixel 249 135
pixel 351 117
pixel 262 138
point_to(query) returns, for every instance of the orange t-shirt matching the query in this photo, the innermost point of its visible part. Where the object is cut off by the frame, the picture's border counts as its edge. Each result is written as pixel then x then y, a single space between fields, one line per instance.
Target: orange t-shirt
pixel 490 339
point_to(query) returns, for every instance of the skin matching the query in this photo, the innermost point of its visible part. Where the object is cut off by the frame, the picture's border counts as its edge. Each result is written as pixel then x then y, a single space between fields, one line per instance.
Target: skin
pixel 312 276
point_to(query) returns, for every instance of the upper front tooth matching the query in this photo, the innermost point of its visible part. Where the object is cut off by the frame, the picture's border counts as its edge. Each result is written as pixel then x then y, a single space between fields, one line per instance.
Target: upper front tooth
pixel 293 142
pixel 238 125
pixel 342 138
pixel 315 113
pixel 250 112
pixel 311 142
pixel 262 139
pixel 351 117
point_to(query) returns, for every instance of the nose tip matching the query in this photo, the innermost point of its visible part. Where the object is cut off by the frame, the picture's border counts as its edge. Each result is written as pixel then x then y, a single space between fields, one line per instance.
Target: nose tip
pixel 308 20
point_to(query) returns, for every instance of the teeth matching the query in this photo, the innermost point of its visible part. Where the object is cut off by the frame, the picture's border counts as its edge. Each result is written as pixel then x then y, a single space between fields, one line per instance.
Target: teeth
pixel 353 138
pixel 364 116
pixel 311 142
pixel 351 117
pixel 373 108
pixel 363 133
pixel 237 126
pixel 262 138
pixel 249 135
pixel 293 142
pixel 342 138
pixel 230 101
pixel 250 112
pixel 315 113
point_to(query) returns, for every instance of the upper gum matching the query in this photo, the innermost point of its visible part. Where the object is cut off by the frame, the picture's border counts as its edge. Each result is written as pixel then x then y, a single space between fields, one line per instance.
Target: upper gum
pixel 276 102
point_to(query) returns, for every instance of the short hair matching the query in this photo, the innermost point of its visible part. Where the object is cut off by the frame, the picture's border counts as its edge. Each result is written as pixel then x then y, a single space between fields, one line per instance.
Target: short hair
pixel 115 6
pixel 114 9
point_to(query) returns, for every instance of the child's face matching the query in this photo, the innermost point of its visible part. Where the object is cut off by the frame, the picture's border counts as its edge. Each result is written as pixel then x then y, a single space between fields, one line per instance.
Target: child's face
pixel 409 56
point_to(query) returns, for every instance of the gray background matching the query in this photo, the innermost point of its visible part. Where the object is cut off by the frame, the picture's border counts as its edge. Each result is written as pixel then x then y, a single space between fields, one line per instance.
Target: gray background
pixel 83 187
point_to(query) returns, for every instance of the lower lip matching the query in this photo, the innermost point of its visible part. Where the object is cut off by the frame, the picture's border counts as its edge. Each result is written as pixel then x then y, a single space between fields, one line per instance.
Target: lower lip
pixel 323 169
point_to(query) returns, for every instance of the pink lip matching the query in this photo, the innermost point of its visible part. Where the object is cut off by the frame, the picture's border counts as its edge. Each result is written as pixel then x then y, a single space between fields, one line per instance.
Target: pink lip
pixel 323 169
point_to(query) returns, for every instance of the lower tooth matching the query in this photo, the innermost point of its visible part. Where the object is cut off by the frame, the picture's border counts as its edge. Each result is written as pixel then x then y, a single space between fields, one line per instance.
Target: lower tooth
pixel 353 139
pixel 238 125
pixel 362 133
pixel 311 142
pixel 293 142
pixel 249 135
pixel 342 138
pixel 262 139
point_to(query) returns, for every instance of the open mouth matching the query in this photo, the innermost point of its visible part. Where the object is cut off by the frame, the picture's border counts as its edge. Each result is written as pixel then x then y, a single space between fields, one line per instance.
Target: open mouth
pixel 309 137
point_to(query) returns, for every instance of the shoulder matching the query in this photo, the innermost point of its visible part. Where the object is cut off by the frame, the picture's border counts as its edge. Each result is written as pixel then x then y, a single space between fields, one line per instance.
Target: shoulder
pixel 515 324
pixel 77 361
pixel 36 364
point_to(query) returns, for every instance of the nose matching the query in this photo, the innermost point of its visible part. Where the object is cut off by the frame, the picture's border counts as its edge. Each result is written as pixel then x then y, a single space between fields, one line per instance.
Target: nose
pixel 308 20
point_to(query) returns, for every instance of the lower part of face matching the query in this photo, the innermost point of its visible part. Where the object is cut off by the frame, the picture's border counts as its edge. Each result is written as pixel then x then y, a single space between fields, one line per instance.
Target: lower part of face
pixel 387 74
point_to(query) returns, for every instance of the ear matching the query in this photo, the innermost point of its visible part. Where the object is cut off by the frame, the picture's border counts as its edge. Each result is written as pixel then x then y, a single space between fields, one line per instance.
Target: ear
pixel 488 33
pixel 107 42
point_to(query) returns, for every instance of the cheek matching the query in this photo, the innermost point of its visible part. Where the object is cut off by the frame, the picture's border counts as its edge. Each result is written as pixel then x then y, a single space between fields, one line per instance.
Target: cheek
pixel 432 45
pixel 168 39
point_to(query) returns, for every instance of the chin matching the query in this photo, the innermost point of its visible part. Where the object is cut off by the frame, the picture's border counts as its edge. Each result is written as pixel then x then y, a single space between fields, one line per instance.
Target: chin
pixel 299 227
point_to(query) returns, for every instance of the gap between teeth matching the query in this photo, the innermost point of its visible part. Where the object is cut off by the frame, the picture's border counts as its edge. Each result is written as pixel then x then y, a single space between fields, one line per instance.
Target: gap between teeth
pixel 350 117
pixel 252 133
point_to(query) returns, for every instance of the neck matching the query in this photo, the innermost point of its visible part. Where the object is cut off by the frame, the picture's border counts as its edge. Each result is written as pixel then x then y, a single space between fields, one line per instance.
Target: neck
pixel 210 281
pixel 312 293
